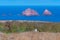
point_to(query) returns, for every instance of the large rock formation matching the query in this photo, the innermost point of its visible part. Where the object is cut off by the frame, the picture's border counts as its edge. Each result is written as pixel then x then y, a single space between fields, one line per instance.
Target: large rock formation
pixel 29 12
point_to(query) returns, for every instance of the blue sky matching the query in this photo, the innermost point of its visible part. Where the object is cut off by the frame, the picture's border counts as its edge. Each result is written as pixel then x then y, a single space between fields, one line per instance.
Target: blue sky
pixel 30 2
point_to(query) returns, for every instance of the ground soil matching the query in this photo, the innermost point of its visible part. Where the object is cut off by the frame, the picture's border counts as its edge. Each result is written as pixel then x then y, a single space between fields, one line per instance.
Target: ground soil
pixel 30 36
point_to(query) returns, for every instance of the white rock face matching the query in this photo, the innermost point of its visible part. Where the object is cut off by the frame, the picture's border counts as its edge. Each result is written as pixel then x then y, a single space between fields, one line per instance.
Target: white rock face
pixel 47 12
pixel 29 12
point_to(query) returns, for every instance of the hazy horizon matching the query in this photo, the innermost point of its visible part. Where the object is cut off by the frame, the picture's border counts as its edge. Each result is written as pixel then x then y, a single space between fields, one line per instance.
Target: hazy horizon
pixel 30 2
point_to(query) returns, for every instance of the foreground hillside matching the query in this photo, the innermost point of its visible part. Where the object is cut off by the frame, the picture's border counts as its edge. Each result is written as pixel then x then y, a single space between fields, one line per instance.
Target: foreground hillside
pixel 19 30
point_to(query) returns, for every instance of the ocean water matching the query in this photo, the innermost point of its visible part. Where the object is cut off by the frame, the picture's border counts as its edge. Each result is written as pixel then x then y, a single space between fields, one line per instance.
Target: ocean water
pixel 11 13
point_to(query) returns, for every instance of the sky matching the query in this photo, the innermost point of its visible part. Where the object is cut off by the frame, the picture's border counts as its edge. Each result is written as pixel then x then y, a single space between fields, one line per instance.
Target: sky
pixel 30 2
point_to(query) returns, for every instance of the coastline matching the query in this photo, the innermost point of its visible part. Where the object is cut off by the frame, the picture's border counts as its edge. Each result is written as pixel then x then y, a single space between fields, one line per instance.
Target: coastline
pixel 3 21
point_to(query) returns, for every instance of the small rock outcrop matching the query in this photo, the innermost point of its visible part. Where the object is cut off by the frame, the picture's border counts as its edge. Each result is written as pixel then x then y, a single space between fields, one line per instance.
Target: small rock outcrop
pixel 47 12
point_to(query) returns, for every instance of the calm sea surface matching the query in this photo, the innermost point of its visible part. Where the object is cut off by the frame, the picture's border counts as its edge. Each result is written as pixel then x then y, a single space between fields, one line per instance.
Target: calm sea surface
pixel 12 13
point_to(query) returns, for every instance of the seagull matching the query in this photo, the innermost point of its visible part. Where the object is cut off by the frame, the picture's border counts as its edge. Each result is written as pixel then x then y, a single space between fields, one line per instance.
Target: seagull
pixel 35 30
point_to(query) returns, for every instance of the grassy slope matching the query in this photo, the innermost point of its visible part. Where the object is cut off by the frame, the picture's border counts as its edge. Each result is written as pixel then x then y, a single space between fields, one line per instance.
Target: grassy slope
pixel 29 26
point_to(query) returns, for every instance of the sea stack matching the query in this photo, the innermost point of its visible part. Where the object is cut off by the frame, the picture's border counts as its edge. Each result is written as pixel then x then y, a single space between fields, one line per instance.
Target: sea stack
pixel 29 12
pixel 47 12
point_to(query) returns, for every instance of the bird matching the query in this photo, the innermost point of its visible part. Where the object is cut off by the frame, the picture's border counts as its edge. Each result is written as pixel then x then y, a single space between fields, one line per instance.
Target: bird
pixel 35 30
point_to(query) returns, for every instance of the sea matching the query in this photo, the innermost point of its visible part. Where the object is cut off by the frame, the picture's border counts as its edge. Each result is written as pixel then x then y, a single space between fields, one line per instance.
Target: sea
pixel 11 13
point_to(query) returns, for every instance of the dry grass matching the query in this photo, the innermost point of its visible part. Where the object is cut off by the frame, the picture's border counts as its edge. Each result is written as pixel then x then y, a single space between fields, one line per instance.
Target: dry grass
pixel 30 36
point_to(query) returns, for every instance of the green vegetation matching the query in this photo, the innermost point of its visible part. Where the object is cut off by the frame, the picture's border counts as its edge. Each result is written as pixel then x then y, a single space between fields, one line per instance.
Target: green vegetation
pixel 15 26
